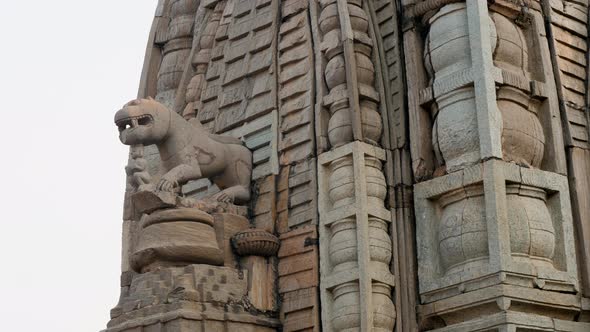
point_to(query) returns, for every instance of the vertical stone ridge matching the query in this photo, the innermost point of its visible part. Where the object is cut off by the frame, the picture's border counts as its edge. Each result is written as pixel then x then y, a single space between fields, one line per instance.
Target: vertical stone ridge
pixel 297 181
pixel 391 86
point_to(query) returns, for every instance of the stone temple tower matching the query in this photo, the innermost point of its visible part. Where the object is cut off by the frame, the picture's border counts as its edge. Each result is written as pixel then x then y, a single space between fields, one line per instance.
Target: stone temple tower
pixel 359 165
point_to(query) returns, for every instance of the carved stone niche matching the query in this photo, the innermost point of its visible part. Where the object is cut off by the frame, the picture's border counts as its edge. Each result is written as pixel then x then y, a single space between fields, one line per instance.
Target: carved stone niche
pixel 485 242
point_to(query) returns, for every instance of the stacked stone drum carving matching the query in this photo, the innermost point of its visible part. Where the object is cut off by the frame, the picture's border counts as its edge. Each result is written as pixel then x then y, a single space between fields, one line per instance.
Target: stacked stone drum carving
pixel 200 63
pixel 347 307
pixel 340 125
pixel 349 101
pixel 177 47
pixel 448 62
pixel 463 238
pixel 532 235
pixel 462 232
pixel 523 140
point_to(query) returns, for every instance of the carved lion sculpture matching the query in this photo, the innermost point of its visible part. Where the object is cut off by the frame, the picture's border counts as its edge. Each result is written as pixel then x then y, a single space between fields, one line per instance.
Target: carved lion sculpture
pixel 188 152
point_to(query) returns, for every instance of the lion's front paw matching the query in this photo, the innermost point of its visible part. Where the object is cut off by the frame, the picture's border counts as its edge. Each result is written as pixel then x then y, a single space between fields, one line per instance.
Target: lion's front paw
pixel 223 197
pixel 165 185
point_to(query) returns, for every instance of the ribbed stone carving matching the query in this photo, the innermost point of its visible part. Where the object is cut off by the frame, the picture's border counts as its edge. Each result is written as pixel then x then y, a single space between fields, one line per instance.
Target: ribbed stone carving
pixel 346 315
pixel 523 140
pixel 463 230
pixel 176 51
pixel 532 234
pixel 383 308
pixel 255 242
pixel 343 245
pixel 341 182
pixel 448 61
pixel 511 52
pixel 376 188
pixel 200 63
pixel 379 241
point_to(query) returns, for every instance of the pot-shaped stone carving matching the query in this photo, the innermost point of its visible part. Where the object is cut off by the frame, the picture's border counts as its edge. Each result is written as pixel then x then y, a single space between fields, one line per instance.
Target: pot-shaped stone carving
pixel 447 57
pixel 255 242
pixel 379 242
pixel 358 18
pixel 335 72
pixel 376 187
pixel 346 314
pixel 463 236
pixel 371 123
pixel 329 19
pixel 455 132
pixel 532 234
pixel 340 123
pixel 511 52
pixel 523 140
pixel 383 308
pixel 341 182
pixel 447 44
pixel 343 245
pixel 365 69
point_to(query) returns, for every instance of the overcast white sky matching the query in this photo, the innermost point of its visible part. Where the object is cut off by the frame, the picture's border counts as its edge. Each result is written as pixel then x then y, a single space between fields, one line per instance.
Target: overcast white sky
pixel 66 66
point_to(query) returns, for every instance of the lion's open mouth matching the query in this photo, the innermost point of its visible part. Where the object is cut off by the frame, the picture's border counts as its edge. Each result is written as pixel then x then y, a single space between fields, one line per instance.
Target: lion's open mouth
pixel 134 121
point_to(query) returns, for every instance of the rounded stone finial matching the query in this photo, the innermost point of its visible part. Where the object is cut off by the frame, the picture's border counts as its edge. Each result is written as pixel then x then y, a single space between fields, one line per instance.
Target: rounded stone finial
pixel 255 242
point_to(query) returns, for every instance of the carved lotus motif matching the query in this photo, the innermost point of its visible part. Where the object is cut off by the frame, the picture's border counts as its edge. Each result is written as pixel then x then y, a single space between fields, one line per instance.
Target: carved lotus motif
pixel 255 242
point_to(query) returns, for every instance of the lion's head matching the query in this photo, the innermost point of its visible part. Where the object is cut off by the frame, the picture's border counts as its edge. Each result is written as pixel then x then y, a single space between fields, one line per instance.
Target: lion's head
pixel 143 121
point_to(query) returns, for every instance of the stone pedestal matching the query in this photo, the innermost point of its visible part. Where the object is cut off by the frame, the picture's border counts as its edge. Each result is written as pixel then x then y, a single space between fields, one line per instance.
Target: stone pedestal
pixel 188 299
pixel 176 237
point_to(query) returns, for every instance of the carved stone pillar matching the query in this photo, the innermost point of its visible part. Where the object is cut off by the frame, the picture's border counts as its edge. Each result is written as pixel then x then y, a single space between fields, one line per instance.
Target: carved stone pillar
pixel 355 246
pixel 494 229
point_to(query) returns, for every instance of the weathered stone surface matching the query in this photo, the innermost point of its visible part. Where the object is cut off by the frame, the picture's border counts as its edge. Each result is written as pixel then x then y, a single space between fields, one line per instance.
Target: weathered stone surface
pixel 438 142
pixel 188 298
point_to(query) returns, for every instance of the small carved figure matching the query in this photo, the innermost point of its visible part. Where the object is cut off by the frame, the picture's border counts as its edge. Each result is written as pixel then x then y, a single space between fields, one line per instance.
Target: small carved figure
pixel 136 170
pixel 188 152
